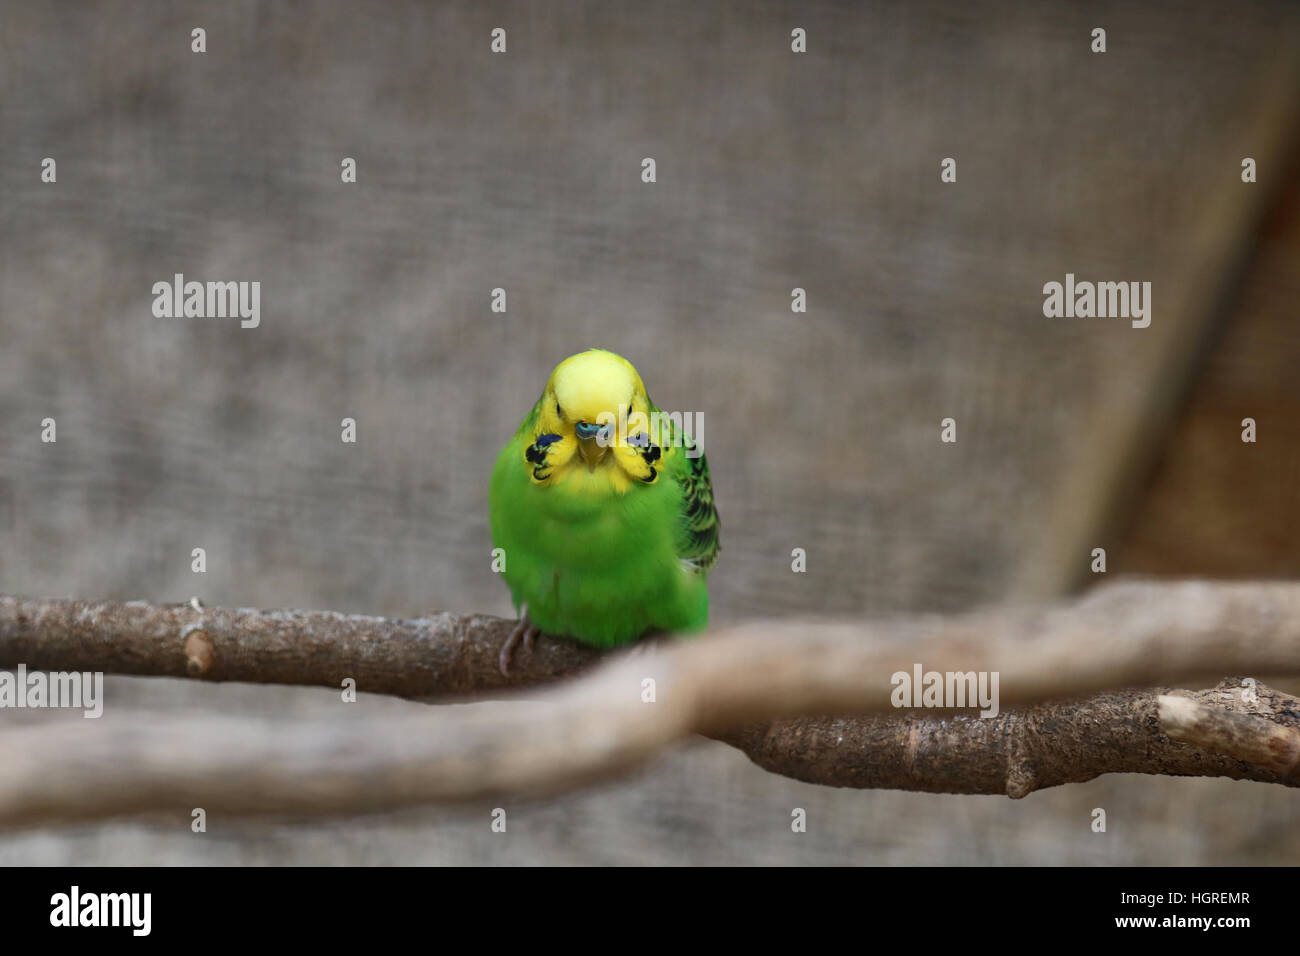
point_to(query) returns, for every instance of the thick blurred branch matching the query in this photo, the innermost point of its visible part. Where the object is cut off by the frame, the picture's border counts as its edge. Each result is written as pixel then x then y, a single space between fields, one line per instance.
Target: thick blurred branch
pixel 1127 635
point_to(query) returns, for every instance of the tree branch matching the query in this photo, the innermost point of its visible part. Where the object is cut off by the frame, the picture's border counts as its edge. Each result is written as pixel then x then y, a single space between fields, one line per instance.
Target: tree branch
pixel 426 657
pixel 1243 736
pixel 1038 746
pixel 1123 635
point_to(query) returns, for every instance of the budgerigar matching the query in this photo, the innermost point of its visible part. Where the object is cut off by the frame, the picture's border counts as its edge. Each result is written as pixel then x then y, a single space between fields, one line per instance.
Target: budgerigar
pixel 605 536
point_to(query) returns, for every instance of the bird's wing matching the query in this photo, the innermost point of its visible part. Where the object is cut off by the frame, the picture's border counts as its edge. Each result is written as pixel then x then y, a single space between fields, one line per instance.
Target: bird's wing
pixel 697 542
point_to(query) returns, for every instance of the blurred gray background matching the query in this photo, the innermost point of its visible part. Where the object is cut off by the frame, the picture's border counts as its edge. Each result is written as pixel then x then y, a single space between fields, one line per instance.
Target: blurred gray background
pixel 775 171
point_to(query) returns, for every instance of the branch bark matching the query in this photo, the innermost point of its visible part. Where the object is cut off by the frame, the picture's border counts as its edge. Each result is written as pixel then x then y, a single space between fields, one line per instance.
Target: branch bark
pixel 1041 745
pixel 426 657
pixel 1125 635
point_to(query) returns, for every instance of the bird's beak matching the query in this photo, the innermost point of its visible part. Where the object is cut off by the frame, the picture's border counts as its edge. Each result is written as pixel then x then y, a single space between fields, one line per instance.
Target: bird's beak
pixel 592 451
pixel 589 445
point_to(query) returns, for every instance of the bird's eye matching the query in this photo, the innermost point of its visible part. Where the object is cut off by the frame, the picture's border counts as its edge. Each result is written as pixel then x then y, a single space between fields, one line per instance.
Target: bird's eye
pixel 558 411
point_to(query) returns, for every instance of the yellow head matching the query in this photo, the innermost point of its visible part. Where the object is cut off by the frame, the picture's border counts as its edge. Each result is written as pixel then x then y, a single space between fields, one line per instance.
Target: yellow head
pixel 584 398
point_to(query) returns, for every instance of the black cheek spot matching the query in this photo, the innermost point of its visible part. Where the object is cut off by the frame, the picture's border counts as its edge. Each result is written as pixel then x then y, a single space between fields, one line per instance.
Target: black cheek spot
pixel 652 476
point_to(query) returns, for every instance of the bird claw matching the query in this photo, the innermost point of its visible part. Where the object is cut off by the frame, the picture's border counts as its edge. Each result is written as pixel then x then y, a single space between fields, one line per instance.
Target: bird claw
pixel 523 632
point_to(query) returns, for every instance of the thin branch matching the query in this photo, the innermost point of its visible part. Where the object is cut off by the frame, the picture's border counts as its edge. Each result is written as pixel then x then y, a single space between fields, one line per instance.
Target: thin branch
pixel 443 654
pixel 1123 634
pixel 1035 747
pixel 1126 635
pixel 1244 737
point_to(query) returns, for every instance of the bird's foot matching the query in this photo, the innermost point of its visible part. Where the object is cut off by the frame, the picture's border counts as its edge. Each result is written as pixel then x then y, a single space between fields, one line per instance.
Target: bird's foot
pixel 524 633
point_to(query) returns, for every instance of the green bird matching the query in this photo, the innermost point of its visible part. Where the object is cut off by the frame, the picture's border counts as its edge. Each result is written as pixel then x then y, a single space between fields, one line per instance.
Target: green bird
pixel 603 508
